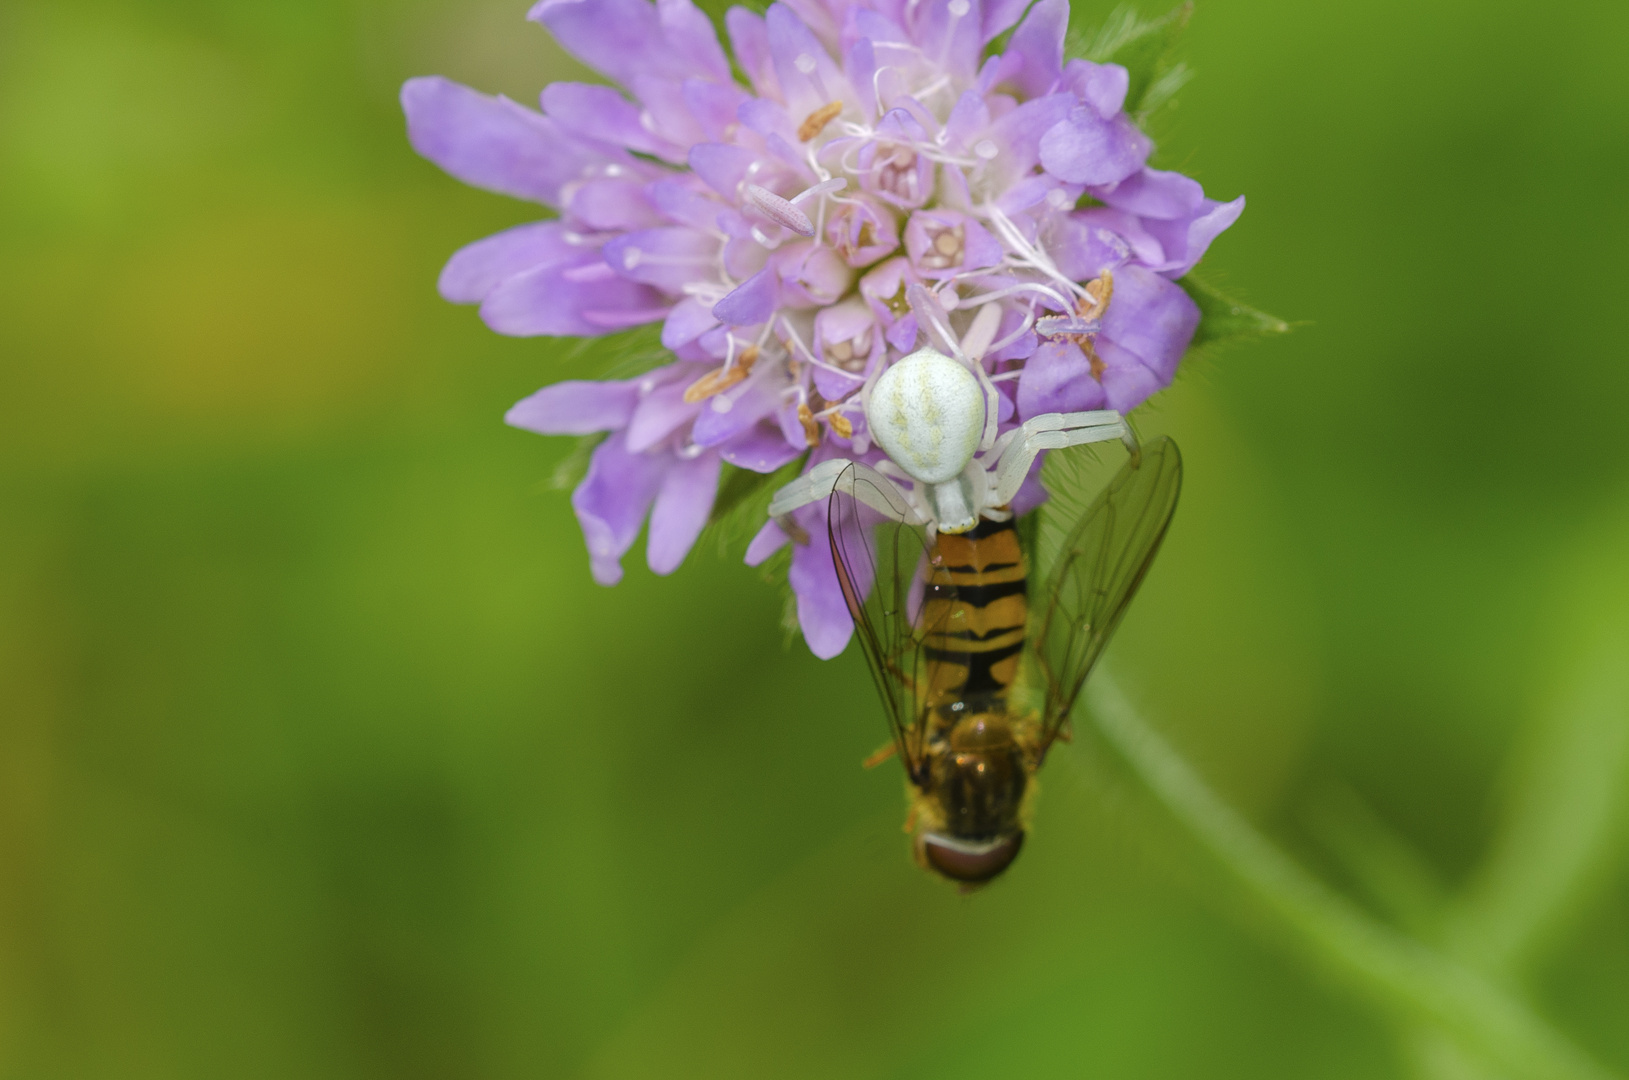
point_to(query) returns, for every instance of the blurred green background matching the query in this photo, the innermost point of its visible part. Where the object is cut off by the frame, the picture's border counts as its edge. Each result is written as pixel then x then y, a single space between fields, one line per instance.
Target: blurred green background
pixel 321 756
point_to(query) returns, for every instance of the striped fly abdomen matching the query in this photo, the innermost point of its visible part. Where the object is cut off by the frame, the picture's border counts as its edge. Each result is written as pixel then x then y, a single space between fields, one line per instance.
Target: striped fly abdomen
pixel 973 611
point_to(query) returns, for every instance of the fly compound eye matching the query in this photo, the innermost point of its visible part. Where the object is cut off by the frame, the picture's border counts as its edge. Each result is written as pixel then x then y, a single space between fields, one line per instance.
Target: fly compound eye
pixel 972 864
pixel 927 412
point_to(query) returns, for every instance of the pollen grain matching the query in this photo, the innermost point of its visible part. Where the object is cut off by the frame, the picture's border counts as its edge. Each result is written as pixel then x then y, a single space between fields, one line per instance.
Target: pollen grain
pixel 811 430
pixel 721 379
pixel 816 122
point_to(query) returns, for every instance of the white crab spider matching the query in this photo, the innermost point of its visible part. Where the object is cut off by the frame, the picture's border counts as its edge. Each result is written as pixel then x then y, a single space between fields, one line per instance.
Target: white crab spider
pixel 934 416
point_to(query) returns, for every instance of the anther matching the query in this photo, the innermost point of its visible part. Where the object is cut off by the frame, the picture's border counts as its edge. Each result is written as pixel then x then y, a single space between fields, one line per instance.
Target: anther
pixel 986 149
pixel 805 63
pixel 840 424
pixel 778 209
pixel 811 430
pixel 721 379
pixel 1094 360
pixel 816 122
pixel 1099 291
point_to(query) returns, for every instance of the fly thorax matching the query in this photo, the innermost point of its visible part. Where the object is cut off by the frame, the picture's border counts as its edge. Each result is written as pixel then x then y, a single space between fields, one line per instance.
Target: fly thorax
pixel 927 413
pixel 981 732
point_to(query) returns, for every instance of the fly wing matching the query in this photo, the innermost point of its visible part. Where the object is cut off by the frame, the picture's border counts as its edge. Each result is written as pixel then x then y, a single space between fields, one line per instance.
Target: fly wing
pixel 880 565
pixel 1103 559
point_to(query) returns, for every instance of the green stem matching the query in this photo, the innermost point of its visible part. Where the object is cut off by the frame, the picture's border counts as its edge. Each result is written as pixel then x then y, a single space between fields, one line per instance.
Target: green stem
pixel 1396 972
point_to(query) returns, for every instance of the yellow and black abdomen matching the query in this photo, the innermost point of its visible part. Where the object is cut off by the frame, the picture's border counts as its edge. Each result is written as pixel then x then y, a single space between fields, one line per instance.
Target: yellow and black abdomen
pixel 973 614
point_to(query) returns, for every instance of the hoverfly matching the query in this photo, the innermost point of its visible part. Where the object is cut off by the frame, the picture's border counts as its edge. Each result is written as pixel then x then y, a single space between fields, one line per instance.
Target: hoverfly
pixel 977 681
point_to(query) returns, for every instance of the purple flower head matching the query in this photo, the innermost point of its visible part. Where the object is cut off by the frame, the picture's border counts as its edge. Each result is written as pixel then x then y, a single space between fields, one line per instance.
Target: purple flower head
pixel 779 231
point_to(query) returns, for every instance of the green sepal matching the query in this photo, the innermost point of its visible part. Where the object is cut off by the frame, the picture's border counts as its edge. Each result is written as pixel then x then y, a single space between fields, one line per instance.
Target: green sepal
pixel 1223 320
pixel 627 354
pixel 742 504
pixel 1146 49
pixel 574 466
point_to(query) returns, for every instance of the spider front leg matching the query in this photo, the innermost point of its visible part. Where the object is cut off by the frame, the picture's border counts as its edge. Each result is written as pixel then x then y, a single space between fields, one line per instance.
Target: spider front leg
pixel 1053 431
pixel 854 478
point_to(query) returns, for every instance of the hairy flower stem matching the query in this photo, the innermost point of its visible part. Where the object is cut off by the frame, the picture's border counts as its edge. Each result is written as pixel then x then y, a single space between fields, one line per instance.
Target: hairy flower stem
pixel 1406 978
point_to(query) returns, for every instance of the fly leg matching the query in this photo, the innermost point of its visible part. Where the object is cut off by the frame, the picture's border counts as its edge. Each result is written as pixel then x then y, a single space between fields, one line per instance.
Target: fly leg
pixel 882 754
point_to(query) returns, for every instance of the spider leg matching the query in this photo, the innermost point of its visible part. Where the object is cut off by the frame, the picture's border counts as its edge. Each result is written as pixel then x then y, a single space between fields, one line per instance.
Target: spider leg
pixel 1053 431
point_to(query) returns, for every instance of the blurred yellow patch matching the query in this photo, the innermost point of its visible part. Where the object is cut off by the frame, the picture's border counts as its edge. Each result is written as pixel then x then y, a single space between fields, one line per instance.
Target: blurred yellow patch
pixel 260 321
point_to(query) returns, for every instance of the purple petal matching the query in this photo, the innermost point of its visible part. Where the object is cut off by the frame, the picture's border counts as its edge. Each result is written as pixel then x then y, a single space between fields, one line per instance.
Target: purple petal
pixel 558 300
pixel 810 275
pixel 860 67
pixel 491 142
pixel 1086 149
pixel 475 270
pixel 1039 42
pixel 627 38
pixel 612 203
pixel 575 408
pixel 769 540
pixel 1122 232
pixel 722 165
pixel 999 16
pixel 1102 86
pixel 952 31
pixel 715 425
pixel 599 112
pixel 823 17
pixel 681 202
pixel 902 335
pixel 1018 136
pixel 689 319
pixel 761 448
pixel 612 500
pixel 749 40
pixel 669 258
pixel 1186 241
pixel 1152 317
pixel 1127 381
pixel 751 302
pixel 808 76
pixel 690 32
pixel 681 511
pixel 669 112
pixel 662 408
pixel 822 614
pixel 714 105
pixel 1058 378
pixel 1153 193
pixel 847 230
pixel 1082 249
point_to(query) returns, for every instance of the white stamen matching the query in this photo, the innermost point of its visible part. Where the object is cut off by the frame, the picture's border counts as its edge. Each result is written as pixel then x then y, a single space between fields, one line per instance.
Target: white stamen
pixel 630 258
pixel 805 63
pixel 778 209
pixel 958 8
pixel 986 149
pixel 836 183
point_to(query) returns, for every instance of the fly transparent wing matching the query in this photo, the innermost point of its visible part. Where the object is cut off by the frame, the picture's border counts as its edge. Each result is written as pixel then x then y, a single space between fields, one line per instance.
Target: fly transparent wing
pixel 1102 561
pixel 881 565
